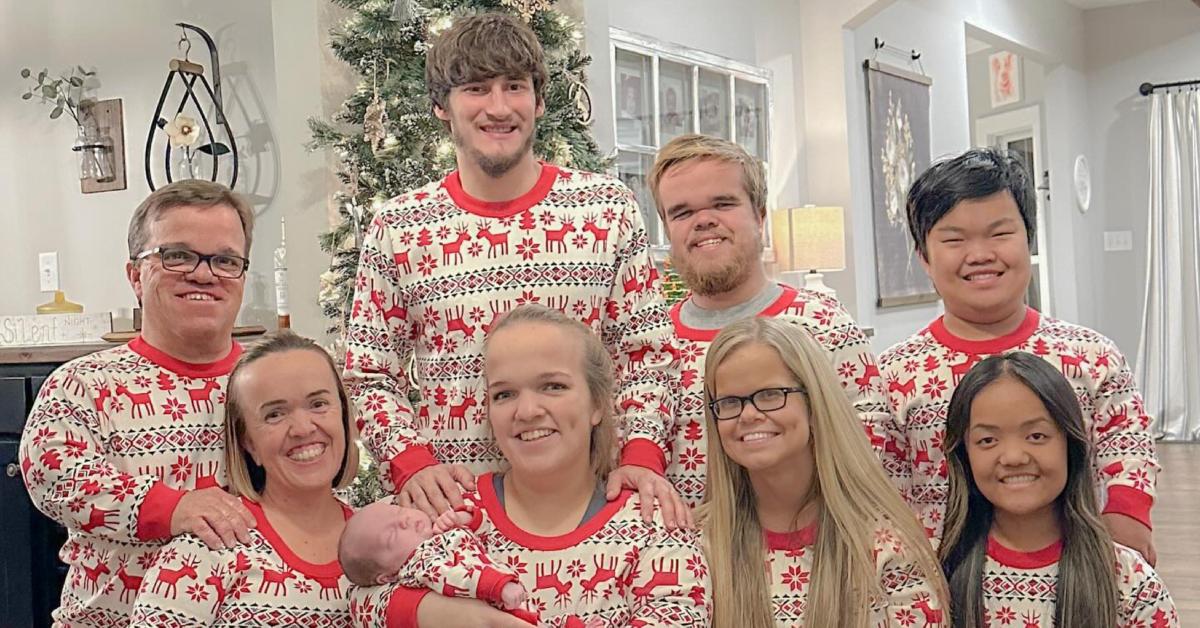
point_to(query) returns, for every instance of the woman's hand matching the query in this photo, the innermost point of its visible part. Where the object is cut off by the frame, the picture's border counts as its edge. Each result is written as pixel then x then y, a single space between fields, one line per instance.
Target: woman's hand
pixel 434 490
pixel 450 612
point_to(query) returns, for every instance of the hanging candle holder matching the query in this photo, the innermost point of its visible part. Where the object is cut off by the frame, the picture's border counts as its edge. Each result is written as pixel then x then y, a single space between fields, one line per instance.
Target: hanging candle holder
pixel 189 134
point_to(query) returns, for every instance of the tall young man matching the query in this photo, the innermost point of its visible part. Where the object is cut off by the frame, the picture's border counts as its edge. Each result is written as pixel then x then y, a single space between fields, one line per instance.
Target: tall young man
pixel 972 221
pixel 124 447
pixel 711 196
pixel 440 263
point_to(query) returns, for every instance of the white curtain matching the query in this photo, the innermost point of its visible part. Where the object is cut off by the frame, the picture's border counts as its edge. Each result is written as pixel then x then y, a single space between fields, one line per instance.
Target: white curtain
pixel 1168 362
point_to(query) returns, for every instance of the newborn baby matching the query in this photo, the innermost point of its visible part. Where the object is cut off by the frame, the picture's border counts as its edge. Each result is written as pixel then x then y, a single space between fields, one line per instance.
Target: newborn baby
pixel 388 543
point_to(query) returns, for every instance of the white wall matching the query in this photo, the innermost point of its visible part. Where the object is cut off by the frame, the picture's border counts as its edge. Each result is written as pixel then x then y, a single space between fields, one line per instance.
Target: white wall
pixel 1157 42
pixel 128 43
pixel 937 28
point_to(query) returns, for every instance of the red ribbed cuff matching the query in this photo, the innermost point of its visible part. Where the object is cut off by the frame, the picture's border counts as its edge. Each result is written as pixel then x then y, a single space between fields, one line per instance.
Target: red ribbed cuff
pixel 491 581
pixel 1130 502
pixel 410 461
pixel 402 607
pixel 154 516
pixel 643 452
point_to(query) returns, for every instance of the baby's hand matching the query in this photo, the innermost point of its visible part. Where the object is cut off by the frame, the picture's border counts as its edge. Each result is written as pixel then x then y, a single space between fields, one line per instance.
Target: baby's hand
pixel 512 595
pixel 449 520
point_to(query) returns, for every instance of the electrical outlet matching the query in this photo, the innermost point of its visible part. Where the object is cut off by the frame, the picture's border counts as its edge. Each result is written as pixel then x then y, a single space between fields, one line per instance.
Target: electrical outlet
pixel 1118 240
pixel 48 271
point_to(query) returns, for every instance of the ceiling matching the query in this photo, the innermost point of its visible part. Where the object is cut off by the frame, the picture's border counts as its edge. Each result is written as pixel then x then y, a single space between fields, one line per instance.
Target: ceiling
pixel 1096 4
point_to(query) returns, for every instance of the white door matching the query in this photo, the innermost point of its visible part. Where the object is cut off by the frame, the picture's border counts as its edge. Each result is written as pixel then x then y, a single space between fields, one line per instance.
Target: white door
pixel 1020 132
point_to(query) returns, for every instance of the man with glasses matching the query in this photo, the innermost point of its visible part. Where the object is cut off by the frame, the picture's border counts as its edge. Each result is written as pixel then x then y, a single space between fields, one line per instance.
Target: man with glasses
pixel 711 196
pixel 124 447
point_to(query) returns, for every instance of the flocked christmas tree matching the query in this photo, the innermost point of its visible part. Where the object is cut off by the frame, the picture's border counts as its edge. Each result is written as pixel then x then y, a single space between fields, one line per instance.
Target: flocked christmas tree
pixel 386 136
pixel 388 141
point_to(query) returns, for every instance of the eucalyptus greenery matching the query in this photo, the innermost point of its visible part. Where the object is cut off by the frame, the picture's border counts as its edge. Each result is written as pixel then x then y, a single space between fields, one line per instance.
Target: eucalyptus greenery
pixel 63 92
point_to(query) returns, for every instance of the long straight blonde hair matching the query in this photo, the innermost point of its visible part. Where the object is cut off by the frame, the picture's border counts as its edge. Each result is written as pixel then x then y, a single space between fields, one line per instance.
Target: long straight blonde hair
pixel 854 495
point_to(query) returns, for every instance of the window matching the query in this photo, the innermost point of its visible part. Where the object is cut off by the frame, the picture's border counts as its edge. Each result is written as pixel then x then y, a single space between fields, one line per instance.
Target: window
pixel 661 91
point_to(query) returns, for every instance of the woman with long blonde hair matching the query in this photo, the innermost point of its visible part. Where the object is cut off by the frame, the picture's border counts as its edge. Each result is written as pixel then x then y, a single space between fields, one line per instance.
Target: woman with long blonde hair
pixel 801 525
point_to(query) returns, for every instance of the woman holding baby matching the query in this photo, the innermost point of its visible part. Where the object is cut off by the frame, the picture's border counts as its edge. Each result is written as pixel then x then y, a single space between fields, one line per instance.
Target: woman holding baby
pixel 579 559
pixel 289 442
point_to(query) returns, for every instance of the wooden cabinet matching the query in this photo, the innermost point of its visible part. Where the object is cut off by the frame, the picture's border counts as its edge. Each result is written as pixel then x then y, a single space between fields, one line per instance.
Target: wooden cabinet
pixel 31 576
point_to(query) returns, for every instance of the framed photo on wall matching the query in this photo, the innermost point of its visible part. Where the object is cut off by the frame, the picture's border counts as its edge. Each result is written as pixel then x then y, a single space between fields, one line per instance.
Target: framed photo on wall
pixel 1004 73
pixel 714 104
pixel 898 131
pixel 632 87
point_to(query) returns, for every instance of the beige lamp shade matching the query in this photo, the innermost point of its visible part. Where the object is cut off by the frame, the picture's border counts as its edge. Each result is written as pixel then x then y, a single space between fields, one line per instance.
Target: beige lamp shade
pixel 809 238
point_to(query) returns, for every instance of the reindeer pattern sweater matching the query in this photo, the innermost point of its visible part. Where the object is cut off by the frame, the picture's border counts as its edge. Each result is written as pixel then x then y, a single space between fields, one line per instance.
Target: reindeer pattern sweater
pixel 113 441
pixel 908 597
pixel 920 374
pixel 439 266
pixel 614 567
pixel 1020 589
pixel 262 583
pixel 826 322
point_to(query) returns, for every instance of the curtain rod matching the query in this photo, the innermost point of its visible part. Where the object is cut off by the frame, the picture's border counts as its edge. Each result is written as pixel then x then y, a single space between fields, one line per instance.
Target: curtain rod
pixel 1146 89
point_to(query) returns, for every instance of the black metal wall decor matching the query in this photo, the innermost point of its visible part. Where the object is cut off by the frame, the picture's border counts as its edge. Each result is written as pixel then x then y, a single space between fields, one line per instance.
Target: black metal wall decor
pixel 186 141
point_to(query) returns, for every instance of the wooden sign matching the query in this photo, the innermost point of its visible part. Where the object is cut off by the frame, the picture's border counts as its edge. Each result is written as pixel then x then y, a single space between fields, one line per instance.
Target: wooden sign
pixel 53 329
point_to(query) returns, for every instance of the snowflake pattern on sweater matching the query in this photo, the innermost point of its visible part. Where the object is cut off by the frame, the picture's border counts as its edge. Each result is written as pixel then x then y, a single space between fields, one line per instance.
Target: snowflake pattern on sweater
pixel 908 599
pixel 112 442
pixel 614 567
pixel 455 564
pixel 826 322
pixel 1020 589
pixel 920 374
pixel 261 583
pixel 438 267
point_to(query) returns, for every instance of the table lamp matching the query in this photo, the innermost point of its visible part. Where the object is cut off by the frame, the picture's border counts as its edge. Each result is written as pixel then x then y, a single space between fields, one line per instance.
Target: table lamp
pixel 808 240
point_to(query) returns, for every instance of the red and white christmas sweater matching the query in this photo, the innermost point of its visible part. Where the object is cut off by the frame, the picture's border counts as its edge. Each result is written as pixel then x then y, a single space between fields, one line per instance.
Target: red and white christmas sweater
pixel 825 321
pixel 455 564
pixel 614 567
pixel 908 599
pixel 1020 589
pixel 113 441
pixel 439 266
pixel 920 374
pixel 261 583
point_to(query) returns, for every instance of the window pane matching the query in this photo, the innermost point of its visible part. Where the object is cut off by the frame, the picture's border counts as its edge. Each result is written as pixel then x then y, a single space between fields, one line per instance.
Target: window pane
pixel 1023 149
pixel 714 104
pixel 1033 296
pixel 632 168
pixel 674 100
pixel 631 90
pixel 750 115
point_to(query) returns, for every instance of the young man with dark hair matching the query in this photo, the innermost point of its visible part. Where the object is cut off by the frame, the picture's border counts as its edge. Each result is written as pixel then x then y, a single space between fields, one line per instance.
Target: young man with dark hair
pixel 440 263
pixel 972 219
pixel 712 197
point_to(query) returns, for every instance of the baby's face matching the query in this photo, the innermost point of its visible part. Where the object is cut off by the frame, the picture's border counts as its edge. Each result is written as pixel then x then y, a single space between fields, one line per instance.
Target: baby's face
pixel 390 533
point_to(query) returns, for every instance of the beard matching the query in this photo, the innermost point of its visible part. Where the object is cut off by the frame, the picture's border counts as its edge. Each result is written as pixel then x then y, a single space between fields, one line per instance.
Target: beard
pixel 721 278
pixel 494 166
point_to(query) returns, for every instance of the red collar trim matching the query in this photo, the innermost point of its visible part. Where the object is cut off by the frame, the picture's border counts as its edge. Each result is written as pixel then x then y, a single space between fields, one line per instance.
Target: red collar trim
pixel 490 503
pixel 312 570
pixel 786 299
pixel 1024 560
pixel 501 209
pixel 187 369
pixel 794 540
pixel 992 345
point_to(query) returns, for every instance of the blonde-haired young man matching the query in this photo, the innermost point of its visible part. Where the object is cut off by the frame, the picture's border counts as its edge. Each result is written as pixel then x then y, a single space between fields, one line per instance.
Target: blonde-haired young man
pixel 711 195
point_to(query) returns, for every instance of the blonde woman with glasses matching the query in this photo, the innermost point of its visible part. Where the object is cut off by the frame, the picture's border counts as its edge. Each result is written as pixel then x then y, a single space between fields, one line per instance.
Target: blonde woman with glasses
pixel 801 525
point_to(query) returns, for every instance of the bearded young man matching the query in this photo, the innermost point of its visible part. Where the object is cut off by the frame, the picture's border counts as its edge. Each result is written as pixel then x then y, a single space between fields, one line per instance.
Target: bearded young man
pixel 442 262
pixel 711 196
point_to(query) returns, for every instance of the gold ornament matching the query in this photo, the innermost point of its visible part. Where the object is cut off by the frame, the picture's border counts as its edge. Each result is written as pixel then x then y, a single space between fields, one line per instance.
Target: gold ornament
pixel 375 124
pixel 526 8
